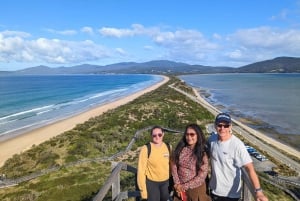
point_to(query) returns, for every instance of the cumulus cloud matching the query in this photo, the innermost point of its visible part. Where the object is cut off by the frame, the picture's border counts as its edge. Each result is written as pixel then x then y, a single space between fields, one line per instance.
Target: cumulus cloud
pixel 53 51
pixel 185 45
pixel 263 43
pixel 11 47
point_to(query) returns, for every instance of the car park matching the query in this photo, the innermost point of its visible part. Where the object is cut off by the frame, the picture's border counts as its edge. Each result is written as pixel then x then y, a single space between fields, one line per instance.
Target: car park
pixel 248 147
pixel 262 158
pixel 254 154
pixel 251 150
pixel 272 173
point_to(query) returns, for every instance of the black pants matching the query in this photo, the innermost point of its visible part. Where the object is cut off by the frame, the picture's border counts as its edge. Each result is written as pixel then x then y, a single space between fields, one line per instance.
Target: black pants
pixel 220 198
pixel 157 190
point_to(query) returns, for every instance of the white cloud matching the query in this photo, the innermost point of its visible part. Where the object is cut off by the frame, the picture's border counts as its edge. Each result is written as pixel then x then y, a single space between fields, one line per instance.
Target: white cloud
pixel 136 29
pixel 268 41
pixel 113 32
pixel 217 36
pixel 281 16
pixel 121 51
pixel 148 47
pixel 88 30
pixel 63 32
pixel 185 45
pixel 8 33
pixel 11 47
pixel 52 51
pixel 236 54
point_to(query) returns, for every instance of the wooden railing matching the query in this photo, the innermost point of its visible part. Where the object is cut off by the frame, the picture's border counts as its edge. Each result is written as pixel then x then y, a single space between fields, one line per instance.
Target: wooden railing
pixel 248 190
pixel 113 182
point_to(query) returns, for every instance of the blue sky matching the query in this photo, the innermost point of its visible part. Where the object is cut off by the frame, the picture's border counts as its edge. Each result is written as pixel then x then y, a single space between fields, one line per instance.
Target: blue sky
pixel 206 32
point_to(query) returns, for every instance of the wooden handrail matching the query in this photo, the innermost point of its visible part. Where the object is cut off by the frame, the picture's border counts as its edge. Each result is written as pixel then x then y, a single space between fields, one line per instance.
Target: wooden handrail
pixel 111 179
pixel 248 190
pixel 113 182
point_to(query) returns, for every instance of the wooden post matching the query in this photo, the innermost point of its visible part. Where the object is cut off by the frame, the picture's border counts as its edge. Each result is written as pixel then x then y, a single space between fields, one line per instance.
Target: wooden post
pixel 115 186
pixel 107 185
pixel 247 196
pixel 248 190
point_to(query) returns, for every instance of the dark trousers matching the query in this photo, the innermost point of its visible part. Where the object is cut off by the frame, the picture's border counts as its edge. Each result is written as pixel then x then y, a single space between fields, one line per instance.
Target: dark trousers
pixel 220 198
pixel 196 194
pixel 157 191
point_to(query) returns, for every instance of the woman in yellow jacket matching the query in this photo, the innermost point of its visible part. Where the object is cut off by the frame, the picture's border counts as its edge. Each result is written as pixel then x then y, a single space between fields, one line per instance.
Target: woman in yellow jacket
pixel 153 170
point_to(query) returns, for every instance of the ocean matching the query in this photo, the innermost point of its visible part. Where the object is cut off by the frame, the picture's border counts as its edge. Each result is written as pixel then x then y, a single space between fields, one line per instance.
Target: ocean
pixel 31 101
pixel 271 100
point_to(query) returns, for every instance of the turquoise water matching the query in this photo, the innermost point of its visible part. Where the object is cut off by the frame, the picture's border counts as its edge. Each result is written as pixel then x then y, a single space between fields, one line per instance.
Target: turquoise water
pixel 271 98
pixel 29 102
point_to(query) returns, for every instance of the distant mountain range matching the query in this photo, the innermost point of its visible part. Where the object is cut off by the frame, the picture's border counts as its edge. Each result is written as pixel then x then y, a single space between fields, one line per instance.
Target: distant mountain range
pixel 277 65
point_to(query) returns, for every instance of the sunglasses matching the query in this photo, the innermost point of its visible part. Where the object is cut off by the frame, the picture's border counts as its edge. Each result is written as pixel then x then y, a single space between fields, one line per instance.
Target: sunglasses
pixel 222 125
pixel 159 135
pixel 190 134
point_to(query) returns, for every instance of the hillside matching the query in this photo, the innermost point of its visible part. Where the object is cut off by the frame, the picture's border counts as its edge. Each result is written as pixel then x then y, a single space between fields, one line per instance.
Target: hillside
pixel 277 65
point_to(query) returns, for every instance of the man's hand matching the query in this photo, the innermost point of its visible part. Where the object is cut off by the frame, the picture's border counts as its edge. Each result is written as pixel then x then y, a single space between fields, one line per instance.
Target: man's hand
pixel 261 197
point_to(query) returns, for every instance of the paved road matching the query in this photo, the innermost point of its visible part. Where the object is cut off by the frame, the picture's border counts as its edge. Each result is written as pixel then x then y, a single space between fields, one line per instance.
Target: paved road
pixel 270 150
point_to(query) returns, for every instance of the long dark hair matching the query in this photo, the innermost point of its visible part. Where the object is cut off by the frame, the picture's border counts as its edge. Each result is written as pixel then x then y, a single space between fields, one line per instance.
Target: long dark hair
pixel 199 148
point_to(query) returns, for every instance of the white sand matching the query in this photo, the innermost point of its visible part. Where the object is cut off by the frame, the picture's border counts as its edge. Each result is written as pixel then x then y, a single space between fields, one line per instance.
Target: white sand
pixel 24 141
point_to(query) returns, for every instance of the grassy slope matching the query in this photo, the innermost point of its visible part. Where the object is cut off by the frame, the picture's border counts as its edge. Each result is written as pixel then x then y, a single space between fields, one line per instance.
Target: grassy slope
pixel 97 138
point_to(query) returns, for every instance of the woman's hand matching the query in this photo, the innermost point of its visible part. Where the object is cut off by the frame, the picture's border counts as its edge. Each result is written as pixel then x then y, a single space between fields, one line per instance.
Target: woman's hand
pixel 178 188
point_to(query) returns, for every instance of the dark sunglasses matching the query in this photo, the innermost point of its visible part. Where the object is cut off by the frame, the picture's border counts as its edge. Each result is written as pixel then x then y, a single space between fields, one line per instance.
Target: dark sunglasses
pixel 190 134
pixel 222 125
pixel 159 135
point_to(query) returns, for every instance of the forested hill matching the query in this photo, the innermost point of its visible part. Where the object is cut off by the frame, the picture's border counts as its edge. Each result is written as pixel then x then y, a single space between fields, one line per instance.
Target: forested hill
pixel 277 65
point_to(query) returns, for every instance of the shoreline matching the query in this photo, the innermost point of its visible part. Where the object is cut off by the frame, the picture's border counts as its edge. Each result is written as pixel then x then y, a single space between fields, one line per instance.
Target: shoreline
pixel 256 123
pixel 22 142
pixel 214 110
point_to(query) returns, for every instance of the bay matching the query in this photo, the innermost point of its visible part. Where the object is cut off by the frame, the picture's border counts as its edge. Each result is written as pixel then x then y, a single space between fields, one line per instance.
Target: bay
pixel 271 102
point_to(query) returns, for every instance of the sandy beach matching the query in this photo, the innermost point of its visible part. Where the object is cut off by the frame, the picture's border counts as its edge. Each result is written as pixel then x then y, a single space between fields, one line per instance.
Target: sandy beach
pixel 24 141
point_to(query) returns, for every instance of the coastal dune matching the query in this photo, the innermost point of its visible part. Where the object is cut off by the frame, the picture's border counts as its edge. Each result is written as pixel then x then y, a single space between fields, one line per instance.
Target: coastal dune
pixel 22 142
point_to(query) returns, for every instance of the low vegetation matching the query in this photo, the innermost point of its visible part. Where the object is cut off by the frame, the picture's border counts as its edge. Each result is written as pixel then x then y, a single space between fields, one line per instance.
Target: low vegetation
pixel 78 156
